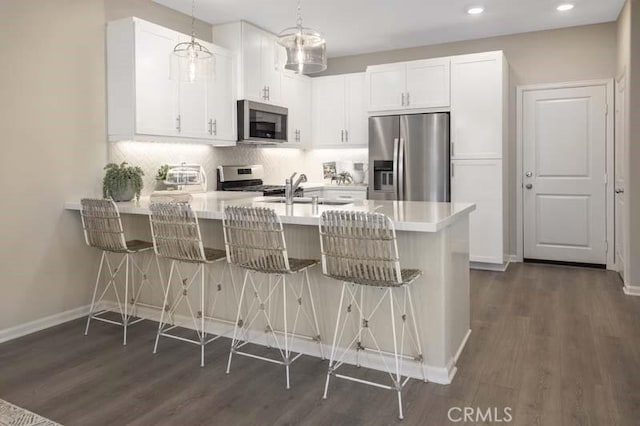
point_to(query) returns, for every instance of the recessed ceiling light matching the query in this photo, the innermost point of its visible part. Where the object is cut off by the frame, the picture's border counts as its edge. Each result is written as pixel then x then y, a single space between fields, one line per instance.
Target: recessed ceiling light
pixel 475 10
pixel 565 7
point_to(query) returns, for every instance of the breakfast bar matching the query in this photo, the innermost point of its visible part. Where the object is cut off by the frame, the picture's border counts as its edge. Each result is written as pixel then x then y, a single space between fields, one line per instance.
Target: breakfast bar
pixel 432 237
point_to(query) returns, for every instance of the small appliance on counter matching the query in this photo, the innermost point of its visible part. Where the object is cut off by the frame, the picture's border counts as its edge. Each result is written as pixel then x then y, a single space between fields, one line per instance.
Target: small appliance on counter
pixel 189 178
pixel 186 178
pixel 248 179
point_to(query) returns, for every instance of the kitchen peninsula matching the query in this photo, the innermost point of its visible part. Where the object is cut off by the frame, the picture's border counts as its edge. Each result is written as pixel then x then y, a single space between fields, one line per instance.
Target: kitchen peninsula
pixel 432 237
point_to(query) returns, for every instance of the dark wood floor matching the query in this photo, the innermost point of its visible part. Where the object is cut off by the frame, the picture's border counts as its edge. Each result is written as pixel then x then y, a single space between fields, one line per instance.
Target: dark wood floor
pixel 560 346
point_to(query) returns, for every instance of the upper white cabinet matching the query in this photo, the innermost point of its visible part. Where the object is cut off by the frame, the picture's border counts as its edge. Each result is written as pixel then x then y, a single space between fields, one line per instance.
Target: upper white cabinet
pixel 408 85
pixel 261 60
pixel 146 99
pixel 479 87
pixel 222 107
pixel 296 96
pixel 338 111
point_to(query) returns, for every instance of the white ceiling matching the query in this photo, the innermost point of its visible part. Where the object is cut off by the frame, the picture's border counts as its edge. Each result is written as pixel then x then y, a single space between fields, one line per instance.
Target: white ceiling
pixel 362 26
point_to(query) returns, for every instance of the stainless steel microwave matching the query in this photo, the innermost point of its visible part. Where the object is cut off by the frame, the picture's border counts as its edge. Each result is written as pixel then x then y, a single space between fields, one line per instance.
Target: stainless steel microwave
pixel 260 123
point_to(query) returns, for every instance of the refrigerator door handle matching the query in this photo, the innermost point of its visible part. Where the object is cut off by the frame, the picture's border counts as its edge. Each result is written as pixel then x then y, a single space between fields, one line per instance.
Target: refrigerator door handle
pixel 400 179
pixel 395 167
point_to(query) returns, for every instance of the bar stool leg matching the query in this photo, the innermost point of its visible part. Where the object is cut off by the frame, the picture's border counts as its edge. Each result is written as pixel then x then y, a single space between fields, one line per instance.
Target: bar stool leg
pixel 203 335
pixel 286 333
pixel 333 346
pixel 398 382
pixel 235 327
pixel 416 333
pixel 125 318
pixel 313 310
pixel 164 306
pixel 95 293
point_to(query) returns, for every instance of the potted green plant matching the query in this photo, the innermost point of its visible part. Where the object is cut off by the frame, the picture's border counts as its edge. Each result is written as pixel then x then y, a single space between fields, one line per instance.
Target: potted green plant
pixel 122 182
pixel 161 176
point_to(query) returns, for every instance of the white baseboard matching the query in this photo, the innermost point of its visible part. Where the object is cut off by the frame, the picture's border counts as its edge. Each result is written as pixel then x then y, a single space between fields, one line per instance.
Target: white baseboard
pixel 514 258
pixel 440 375
pixel 42 323
pixel 631 290
pixel 496 267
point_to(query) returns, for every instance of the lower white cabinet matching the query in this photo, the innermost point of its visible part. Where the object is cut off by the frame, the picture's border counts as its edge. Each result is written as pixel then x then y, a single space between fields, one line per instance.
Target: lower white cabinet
pixel 481 182
pixel 337 193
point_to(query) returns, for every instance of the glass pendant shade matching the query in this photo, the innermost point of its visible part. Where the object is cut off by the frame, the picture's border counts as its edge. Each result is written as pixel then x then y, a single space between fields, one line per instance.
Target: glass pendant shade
pixel 190 60
pixel 306 50
pixel 193 61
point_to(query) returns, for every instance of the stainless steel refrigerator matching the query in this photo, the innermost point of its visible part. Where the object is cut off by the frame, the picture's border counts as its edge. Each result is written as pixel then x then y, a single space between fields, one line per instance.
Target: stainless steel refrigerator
pixel 409 157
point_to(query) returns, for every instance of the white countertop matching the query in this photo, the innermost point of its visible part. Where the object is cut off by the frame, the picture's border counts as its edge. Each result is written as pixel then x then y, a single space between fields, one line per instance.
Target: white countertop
pixel 414 216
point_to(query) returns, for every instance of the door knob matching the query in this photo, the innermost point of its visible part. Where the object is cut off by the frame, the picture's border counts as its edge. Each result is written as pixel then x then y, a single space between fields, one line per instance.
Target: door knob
pixel 619 191
pixel 528 186
pixel 528 174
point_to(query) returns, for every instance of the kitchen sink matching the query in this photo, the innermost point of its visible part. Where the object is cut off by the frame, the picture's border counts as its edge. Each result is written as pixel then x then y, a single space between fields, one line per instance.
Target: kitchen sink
pixel 307 200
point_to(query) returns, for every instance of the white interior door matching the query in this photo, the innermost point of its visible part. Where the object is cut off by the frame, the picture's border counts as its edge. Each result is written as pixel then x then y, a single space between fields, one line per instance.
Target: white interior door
pixel 620 158
pixel 564 159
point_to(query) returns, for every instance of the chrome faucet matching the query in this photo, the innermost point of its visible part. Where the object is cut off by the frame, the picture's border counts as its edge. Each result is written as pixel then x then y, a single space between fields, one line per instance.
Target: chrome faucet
pixel 290 187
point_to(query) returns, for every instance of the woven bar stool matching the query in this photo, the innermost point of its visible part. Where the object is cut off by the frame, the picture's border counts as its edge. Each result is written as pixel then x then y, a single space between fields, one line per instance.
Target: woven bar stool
pixel 255 242
pixel 103 230
pixel 176 236
pixel 360 250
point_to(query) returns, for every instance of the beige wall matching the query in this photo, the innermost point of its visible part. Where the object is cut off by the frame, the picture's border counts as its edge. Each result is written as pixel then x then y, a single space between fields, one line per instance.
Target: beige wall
pixel 578 53
pixel 54 145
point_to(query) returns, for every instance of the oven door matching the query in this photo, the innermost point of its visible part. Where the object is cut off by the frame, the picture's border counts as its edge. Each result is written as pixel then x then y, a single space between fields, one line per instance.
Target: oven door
pixel 261 123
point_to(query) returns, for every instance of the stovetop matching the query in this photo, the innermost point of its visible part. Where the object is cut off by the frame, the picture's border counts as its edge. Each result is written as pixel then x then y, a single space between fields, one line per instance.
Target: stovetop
pixel 247 179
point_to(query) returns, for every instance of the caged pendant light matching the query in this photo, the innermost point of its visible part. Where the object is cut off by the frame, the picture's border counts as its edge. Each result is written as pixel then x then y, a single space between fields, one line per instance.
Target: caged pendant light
pixel 306 48
pixel 193 59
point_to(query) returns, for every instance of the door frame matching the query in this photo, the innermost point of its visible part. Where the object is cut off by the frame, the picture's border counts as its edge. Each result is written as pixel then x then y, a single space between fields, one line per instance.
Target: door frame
pixel 608 84
pixel 621 85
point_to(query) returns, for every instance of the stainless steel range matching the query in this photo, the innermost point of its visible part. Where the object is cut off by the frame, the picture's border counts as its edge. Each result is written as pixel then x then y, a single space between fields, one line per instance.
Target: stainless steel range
pixel 248 179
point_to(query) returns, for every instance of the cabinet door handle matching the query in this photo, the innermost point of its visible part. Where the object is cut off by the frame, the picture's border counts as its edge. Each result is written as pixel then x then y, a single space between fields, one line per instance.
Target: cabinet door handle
pixel 453 170
pixel 403 99
pixel 341 135
pixel 178 123
pixel 453 150
pixel 268 93
pixel 346 136
pixel 408 99
pixel 215 127
pixel 210 126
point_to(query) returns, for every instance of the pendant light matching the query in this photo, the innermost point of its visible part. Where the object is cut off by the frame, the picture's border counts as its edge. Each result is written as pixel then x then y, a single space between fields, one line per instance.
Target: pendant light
pixel 193 58
pixel 306 48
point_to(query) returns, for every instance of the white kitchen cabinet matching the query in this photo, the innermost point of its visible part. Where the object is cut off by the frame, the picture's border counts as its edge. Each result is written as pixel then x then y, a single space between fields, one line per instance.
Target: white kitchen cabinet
pixel 142 99
pixel 338 192
pixel 261 60
pixel 296 91
pixel 351 193
pixel 338 114
pixel 479 87
pixel 222 107
pixel 408 85
pixel 481 182
pixel 146 99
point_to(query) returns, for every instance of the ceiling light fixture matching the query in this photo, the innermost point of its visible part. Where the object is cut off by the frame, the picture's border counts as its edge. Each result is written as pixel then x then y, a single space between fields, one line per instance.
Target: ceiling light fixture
pixel 306 48
pixel 475 10
pixel 193 57
pixel 565 7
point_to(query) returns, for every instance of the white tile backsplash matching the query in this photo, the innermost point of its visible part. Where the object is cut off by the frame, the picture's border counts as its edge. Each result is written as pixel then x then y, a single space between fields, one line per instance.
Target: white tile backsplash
pixel 279 163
